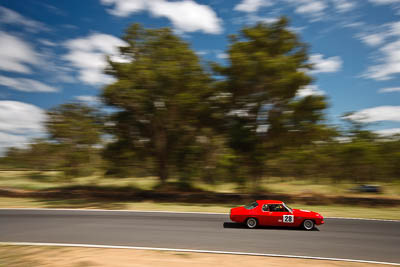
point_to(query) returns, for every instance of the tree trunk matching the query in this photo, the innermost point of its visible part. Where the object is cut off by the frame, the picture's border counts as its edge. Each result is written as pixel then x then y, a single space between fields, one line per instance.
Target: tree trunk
pixel 161 154
pixel 162 169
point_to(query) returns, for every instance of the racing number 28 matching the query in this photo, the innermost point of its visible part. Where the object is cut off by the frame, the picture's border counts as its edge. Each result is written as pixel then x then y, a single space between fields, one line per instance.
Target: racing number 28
pixel 288 218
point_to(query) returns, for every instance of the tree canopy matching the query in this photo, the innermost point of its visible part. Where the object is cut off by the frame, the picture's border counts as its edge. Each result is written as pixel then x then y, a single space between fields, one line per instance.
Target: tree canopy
pixel 163 97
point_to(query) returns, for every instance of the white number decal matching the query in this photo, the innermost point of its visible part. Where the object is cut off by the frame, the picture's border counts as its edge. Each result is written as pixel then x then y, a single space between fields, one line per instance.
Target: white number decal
pixel 288 219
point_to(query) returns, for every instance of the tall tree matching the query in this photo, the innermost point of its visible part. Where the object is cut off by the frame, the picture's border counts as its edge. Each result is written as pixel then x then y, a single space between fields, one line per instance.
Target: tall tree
pixel 163 98
pixel 267 66
pixel 75 129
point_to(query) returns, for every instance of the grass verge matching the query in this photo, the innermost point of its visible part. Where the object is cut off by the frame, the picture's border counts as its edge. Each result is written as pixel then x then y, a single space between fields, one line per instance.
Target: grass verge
pixel 392 213
pixel 34 180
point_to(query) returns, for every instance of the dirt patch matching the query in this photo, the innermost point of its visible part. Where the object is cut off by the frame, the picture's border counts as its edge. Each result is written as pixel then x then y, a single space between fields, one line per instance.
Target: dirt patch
pixel 15 256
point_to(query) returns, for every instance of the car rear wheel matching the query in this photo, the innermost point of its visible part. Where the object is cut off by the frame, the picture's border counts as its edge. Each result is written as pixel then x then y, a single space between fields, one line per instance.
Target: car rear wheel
pixel 308 225
pixel 251 223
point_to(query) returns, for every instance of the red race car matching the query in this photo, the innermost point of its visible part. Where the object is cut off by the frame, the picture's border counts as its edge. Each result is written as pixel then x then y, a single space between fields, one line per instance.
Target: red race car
pixel 275 213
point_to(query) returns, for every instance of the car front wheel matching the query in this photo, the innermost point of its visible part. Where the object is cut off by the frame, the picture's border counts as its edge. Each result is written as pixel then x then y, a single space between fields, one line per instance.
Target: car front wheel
pixel 308 225
pixel 251 223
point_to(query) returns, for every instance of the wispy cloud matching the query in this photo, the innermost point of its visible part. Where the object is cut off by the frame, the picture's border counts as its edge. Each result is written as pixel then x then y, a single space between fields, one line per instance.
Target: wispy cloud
pixel 222 55
pixel 375 114
pixel 87 55
pixel 389 90
pixel 19 122
pixel 384 2
pixel 26 85
pixel 88 99
pixel 387 38
pixel 8 16
pixel 252 5
pixel 16 55
pixel 344 5
pixel 373 39
pixel 185 15
pixel 312 8
pixel 19 117
pixel 388 132
pixel 309 90
pixel 321 64
pixel 389 63
pixel 47 42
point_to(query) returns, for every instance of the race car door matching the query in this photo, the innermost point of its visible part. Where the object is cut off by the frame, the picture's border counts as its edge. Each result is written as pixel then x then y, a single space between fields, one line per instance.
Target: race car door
pixel 266 217
pixel 280 215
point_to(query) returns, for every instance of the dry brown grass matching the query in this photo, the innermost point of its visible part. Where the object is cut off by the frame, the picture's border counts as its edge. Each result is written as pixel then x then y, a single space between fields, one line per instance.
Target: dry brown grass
pixel 22 256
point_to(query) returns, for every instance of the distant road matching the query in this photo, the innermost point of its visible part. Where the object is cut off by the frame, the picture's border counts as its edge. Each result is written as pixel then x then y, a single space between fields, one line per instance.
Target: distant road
pixel 338 238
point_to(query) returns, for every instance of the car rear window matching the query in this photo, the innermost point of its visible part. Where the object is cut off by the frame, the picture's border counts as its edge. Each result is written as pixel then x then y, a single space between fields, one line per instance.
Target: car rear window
pixel 251 205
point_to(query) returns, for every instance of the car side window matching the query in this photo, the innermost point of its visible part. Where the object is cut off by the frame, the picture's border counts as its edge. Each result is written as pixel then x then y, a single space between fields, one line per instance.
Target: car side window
pixel 277 208
pixel 265 207
pixel 251 205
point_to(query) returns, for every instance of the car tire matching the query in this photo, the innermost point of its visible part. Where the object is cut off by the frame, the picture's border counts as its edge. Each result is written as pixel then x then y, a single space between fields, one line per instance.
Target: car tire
pixel 251 223
pixel 308 225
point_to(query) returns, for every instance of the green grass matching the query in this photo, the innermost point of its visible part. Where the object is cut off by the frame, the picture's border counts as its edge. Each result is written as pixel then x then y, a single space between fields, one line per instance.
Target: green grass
pixel 327 211
pixel 30 180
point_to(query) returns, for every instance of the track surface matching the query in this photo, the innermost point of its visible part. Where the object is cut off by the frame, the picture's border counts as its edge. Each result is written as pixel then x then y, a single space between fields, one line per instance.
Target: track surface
pixel 338 238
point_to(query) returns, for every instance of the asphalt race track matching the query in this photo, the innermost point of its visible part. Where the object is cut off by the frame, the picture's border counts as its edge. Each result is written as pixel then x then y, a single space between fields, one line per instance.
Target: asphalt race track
pixel 338 238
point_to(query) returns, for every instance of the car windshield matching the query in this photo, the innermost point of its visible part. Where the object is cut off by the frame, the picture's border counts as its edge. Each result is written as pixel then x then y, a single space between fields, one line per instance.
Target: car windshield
pixel 288 208
pixel 251 205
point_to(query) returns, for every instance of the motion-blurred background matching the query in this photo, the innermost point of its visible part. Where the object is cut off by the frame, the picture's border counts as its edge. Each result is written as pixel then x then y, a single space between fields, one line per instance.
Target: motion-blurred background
pixel 228 100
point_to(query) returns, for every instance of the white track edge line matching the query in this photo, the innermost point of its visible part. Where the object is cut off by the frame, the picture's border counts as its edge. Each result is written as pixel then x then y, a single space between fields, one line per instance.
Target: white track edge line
pixel 179 212
pixel 194 251
pixel 365 219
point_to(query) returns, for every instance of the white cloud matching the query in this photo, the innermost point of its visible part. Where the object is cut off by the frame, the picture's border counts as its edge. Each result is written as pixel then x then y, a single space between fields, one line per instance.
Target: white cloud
pixel 222 55
pixel 384 2
pixel 19 117
pixel 387 37
pixel 188 16
pixel 356 24
pixel 253 19
pixel 331 64
pixel 47 42
pixel 252 5
pixel 389 90
pixel 388 132
pixel 88 99
pixel 87 54
pixel 19 122
pixel 202 52
pixel 12 140
pixel 344 5
pixel 312 8
pixel 381 34
pixel 185 15
pixel 373 39
pixel 381 113
pixel 389 63
pixel 394 29
pixel 8 16
pixel 309 90
pixel 26 85
pixel 123 8
pixel 15 54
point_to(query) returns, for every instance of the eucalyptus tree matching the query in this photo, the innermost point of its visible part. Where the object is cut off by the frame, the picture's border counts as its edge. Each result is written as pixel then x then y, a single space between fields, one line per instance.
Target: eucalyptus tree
pixel 163 98
pixel 267 67
pixel 75 130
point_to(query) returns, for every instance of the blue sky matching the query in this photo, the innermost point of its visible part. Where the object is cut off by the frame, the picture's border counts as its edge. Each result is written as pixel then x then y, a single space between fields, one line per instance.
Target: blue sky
pixel 52 52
